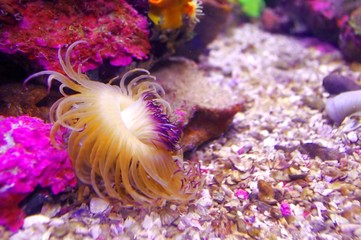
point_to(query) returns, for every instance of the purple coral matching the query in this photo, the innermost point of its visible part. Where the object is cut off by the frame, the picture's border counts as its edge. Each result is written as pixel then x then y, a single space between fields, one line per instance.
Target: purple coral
pixel 241 194
pixel 285 209
pixel 114 30
pixel 28 160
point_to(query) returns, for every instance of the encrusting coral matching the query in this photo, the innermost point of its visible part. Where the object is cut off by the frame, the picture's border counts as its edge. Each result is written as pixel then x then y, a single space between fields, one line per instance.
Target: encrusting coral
pixel 122 135
pixel 27 161
pixel 115 31
pixel 168 14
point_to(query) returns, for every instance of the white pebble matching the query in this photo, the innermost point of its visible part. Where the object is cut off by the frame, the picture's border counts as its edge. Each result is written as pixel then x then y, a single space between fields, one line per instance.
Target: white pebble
pixel 357 232
pixel 56 222
pixel 35 219
pixel 269 142
pixel 206 199
pixel 352 136
pixel 96 231
pixel 349 228
pixel 98 205
pixel 147 222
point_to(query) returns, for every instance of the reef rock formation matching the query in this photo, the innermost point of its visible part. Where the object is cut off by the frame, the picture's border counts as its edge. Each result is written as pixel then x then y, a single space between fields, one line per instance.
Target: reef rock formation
pixel 202 109
pixel 114 30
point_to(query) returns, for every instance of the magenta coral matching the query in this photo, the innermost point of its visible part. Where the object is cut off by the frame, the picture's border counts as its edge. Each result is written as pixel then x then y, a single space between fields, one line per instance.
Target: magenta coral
pixel 241 194
pixel 27 160
pixel 285 209
pixel 37 29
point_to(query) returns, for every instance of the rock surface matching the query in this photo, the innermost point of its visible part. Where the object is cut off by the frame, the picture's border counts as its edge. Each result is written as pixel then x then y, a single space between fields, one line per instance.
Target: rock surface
pixel 17 99
pixel 204 109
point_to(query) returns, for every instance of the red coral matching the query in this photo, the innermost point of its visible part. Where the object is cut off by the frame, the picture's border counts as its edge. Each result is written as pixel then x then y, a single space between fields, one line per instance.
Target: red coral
pixel 113 29
pixel 27 160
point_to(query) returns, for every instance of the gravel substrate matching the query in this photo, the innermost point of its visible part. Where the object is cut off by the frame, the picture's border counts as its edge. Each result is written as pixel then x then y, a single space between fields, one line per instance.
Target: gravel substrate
pixel 282 170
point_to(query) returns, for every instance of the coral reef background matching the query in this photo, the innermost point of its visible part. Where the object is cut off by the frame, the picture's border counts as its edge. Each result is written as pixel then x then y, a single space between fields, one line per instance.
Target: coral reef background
pixel 114 31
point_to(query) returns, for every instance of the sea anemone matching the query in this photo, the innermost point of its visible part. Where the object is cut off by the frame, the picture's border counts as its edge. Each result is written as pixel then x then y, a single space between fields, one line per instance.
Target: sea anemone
pixel 121 135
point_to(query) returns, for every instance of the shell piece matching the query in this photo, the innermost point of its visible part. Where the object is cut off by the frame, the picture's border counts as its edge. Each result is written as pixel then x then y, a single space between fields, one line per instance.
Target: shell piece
pixel 342 105
pixel 98 205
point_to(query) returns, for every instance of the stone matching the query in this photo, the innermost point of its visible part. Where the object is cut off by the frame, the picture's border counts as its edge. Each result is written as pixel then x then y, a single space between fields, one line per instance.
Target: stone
pixel 201 108
pixel 98 205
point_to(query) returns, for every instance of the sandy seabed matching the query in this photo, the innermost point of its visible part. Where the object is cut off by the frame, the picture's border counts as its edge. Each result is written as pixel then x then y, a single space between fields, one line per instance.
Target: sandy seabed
pixel 281 171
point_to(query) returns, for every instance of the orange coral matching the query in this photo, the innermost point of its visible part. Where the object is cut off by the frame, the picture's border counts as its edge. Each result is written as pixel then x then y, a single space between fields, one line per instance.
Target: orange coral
pixel 168 14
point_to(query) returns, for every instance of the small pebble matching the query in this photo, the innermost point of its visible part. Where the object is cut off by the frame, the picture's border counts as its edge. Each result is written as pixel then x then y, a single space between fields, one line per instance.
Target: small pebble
pixel 352 136
pixel 218 197
pixel 241 194
pixel 318 225
pixel 325 153
pixel 95 231
pixel 98 205
pixel 294 172
pixel 266 193
pixel 314 102
pixel 336 83
pixel 35 219
pixel 61 231
pixel 56 222
pixel 357 232
pixel 349 228
pixel 331 174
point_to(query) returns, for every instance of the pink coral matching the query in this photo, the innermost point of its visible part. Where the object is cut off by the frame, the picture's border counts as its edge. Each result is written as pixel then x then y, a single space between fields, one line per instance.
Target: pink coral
pixel 36 29
pixel 285 209
pixel 27 160
pixel 324 7
pixel 241 194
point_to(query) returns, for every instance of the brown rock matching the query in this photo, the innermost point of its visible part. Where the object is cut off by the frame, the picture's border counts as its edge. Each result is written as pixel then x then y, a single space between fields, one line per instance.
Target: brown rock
pixel 336 83
pixel 207 124
pixel 33 100
pixel 203 110
pixel 266 193
pixel 332 173
pixel 316 150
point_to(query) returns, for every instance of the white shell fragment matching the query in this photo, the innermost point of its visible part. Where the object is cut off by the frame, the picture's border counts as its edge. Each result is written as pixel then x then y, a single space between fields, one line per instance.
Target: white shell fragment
pixel 35 219
pixel 98 205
